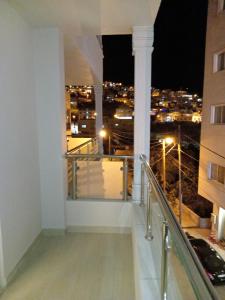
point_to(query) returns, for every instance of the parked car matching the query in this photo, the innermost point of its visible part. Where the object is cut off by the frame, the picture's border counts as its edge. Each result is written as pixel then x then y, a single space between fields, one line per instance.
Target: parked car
pixel 212 262
pixel 190 237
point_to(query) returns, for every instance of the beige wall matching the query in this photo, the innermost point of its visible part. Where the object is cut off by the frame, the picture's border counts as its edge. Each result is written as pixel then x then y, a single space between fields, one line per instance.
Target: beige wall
pixel 212 136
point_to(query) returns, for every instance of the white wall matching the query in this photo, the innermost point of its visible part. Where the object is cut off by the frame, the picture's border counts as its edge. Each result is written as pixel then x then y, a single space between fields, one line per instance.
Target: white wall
pixel 19 169
pixel 91 50
pixel 98 214
pixel 49 87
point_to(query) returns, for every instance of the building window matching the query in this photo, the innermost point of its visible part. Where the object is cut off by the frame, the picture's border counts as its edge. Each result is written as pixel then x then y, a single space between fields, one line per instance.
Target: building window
pixel 218 114
pixel 217 173
pixel 221 5
pixel 219 62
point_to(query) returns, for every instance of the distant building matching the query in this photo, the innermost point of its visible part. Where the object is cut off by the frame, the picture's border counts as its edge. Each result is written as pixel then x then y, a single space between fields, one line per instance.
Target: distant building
pixel 196 117
pixel 212 151
pixel 178 116
pixel 83 128
pixel 124 113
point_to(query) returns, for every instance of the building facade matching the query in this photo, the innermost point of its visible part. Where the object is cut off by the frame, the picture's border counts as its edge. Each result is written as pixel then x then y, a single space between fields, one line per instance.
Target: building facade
pixel 212 149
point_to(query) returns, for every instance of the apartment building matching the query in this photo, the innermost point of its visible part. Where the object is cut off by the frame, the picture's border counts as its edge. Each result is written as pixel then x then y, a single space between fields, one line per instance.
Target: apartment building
pixel 212 150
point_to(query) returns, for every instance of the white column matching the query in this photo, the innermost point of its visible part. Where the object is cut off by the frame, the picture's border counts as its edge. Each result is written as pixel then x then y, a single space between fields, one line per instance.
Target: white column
pixel 142 49
pixel 98 109
pixel 51 116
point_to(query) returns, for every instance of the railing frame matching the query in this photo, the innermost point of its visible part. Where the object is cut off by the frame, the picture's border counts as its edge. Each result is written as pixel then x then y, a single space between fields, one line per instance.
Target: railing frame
pixel 195 271
pixel 142 202
pixel 164 263
pixel 91 157
pixel 148 234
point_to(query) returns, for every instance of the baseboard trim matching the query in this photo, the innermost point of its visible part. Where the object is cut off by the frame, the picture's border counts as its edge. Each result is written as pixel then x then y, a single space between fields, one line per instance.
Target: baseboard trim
pixel 99 229
pixel 44 232
pixel 53 232
pixel 13 273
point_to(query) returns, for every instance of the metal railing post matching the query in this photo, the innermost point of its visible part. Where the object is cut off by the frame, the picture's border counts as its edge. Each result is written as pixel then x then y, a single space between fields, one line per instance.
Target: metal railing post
pixel 125 178
pixel 74 179
pixel 148 234
pixel 142 202
pixel 164 260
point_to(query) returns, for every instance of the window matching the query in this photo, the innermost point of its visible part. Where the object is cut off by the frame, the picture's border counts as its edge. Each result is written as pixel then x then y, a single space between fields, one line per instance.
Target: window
pixel 218 114
pixel 221 5
pixel 220 174
pixel 219 61
pixel 217 173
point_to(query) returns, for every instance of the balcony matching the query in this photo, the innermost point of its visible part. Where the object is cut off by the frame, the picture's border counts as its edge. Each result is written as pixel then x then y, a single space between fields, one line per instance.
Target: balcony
pixel 60 241
pixel 114 248
pixel 165 264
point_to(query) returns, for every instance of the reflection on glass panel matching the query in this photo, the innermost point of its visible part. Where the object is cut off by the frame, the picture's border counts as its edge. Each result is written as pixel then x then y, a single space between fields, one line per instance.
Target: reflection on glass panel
pixel 100 179
pixel 179 285
pixel 156 243
pixel 70 178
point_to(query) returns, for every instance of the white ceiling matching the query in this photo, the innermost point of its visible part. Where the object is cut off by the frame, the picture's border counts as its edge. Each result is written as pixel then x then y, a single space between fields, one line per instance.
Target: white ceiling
pixel 79 18
pixel 119 16
pixel 89 17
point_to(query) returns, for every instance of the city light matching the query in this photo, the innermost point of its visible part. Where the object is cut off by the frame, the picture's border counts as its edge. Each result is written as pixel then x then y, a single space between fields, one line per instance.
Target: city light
pixel 169 140
pixel 102 133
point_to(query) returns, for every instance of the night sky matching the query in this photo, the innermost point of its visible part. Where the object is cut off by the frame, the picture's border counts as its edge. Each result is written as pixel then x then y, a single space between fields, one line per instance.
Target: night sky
pixel 179 46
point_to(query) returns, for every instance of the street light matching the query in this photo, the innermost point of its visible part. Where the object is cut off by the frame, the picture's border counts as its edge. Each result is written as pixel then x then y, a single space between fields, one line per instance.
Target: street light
pixel 103 133
pixel 165 141
pixel 168 141
pixel 180 187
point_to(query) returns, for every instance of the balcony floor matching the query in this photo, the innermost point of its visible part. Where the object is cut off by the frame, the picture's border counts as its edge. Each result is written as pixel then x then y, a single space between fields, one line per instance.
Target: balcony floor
pixel 78 266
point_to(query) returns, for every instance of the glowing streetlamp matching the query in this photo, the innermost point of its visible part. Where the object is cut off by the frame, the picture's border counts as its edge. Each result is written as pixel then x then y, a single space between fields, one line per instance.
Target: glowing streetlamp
pixel 103 133
pixel 168 141
pixel 165 141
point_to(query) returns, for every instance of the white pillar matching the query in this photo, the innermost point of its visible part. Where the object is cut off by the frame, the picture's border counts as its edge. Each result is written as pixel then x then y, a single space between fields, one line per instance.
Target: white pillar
pixel 142 49
pixel 51 117
pixel 98 109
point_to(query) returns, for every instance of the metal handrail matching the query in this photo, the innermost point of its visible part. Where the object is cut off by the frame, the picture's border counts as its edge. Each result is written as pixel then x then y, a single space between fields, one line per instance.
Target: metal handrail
pixel 100 156
pixel 194 268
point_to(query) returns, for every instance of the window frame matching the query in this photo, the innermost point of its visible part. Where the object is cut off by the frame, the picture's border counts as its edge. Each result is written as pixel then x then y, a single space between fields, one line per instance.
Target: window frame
pixel 216 61
pixel 221 6
pixel 211 166
pixel 213 114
